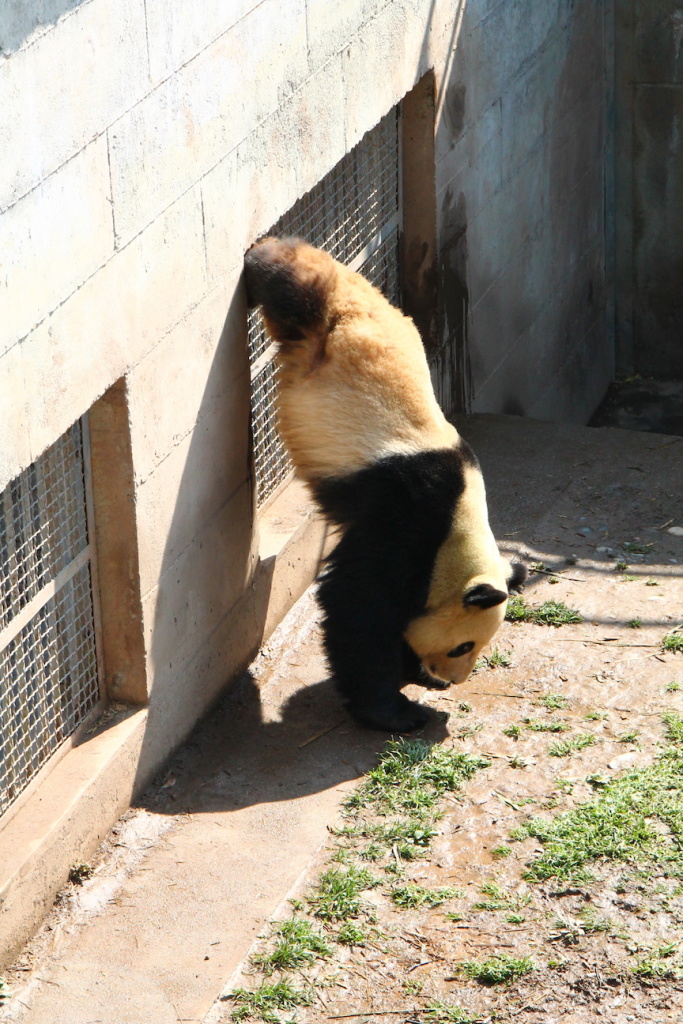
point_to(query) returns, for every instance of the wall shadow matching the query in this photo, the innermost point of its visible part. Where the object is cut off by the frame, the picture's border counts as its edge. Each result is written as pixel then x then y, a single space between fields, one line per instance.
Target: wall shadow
pixel 21 19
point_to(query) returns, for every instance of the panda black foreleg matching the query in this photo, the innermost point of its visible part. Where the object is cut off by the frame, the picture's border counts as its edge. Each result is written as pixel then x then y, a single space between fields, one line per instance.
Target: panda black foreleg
pixel 364 645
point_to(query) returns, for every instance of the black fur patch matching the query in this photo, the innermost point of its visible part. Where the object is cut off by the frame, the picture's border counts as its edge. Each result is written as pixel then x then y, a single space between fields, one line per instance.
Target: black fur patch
pixel 484 595
pixel 291 303
pixel 517 578
pixel 396 515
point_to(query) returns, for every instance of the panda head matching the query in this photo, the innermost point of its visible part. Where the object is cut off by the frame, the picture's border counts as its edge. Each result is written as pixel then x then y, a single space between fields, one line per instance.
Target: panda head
pixel 449 638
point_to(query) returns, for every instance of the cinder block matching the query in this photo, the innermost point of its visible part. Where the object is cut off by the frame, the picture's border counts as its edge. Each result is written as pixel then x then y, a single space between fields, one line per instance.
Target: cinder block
pixel 186 376
pixel 522 379
pixel 331 26
pixel 279 162
pixel 53 239
pixel 193 482
pixel 658 33
pixel 192 121
pixel 473 166
pixel 492 51
pixel 386 55
pixel 577 390
pixel 112 321
pixel 179 29
pixel 66 88
pixel 199 588
pixel 15 446
pixel 658 230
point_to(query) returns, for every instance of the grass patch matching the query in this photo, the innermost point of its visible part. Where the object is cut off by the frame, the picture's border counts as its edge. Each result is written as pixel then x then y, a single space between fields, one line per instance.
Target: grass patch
pixel 513 731
pixel 501 900
pixel 596 716
pixel 297 945
pixel 658 966
pixel 634 623
pixel 551 725
pixel 264 1002
pixel 572 745
pixel 351 935
pixel 412 776
pixel 441 1013
pixel 623 823
pixel 634 548
pixel 554 701
pixel 498 659
pixel 628 737
pixel 550 613
pixel 497 969
pixel 501 852
pixel 673 642
pixel 337 894
pixel 411 896
pixel 672 687
pixel 621 566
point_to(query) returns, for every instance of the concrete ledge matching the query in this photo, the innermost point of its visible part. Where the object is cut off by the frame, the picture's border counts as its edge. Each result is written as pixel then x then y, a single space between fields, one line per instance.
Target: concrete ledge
pixel 63 819
pixel 293 541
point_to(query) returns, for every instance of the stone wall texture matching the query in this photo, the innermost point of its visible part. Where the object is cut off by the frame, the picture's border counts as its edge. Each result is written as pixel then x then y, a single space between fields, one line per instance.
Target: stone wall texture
pixel 649 193
pixel 146 143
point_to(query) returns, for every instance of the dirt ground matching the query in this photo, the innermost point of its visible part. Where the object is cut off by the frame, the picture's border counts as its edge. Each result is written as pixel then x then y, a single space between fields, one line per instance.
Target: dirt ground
pixel 187 879
pixel 605 677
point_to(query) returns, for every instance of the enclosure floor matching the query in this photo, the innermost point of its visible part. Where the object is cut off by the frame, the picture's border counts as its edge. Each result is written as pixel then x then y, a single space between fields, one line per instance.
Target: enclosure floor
pixel 188 878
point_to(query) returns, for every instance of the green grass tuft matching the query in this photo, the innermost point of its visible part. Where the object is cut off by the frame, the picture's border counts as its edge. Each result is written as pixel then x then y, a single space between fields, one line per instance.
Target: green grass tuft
pixel 572 745
pixel 554 701
pixel 498 659
pixel 513 731
pixel 351 935
pixel 674 727
pixel 550 725
pixel 550 613
pixel 634 623
pixel 441 1013
pixel 264 1001
pixel 337 894
pixel 297 945
pixel 410 896
pixel 620 824
pixel 412 776
pixel 673 642
pixel 497 969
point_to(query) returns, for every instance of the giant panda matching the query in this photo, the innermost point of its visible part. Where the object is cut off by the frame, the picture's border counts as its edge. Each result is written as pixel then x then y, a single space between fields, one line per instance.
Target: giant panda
pixel 415 586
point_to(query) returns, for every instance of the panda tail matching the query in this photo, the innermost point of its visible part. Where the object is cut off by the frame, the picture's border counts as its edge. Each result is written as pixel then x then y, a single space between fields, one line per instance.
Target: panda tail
pixel 293 283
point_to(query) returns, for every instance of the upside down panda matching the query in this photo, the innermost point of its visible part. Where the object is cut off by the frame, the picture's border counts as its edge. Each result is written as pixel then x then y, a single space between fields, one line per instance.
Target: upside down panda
pixel 416 585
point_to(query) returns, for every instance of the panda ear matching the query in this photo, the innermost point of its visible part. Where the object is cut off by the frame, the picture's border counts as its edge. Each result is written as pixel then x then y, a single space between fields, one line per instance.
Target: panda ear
pixel 517 577
pixel 484 595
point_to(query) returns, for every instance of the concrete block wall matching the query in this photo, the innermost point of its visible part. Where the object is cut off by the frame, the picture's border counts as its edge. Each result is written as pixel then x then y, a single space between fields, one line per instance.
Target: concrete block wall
pixel 521 157
pixel 649 187
pixel 147 143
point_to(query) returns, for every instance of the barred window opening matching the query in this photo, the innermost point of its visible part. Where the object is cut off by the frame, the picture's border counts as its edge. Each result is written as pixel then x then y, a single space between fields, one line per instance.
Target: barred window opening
pixel 48 662
pixel 353 213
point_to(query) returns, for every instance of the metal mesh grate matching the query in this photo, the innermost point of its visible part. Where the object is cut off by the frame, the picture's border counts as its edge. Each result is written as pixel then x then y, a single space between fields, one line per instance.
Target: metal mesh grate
pixel 48 665
pixel 352 214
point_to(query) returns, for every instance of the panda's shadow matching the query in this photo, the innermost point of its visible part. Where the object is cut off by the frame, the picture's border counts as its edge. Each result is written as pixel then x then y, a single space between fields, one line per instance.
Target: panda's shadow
pixel 246 753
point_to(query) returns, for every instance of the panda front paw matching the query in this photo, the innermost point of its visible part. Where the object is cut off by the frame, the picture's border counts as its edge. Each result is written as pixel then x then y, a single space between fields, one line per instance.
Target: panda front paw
pixel 396 715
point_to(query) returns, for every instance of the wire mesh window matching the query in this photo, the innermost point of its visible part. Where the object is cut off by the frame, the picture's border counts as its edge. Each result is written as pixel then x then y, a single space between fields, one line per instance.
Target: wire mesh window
pixel 48 663
pixel 353 213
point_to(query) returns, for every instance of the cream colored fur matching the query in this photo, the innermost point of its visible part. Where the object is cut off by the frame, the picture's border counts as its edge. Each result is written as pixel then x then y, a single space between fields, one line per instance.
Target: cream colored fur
pixel 357 388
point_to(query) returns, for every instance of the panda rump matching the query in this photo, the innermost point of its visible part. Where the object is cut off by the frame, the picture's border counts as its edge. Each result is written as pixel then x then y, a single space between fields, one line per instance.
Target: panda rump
pixel 416 585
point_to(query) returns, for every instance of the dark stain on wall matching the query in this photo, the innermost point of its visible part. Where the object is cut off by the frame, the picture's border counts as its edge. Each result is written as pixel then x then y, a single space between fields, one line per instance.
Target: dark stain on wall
pixel 455 303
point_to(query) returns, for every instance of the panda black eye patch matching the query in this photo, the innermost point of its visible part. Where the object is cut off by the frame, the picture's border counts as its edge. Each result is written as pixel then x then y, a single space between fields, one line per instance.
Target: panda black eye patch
pixel 461 649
